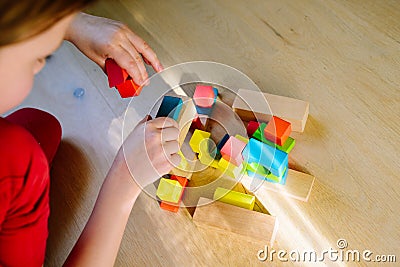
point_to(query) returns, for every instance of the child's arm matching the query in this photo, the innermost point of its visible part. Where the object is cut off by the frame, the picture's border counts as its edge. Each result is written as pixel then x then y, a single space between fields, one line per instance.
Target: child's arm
pixel 101 38
pixel 150 151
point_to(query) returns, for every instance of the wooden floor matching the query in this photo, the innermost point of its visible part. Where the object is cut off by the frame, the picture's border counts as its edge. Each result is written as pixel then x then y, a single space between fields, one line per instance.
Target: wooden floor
pixel 342 56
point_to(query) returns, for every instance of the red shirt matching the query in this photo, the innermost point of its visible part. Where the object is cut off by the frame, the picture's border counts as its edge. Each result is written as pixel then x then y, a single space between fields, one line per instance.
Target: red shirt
pixel 24 197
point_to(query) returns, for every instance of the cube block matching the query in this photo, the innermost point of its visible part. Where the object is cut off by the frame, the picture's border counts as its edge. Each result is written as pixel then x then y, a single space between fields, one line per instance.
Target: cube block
pixel 271 158
pixel 169 190
pixel 277 130
pixel 232 150
pixel 204 96
pixel 287 146
pixel 252 127
pixel 170 107
pixel 116 75
pixel 198 137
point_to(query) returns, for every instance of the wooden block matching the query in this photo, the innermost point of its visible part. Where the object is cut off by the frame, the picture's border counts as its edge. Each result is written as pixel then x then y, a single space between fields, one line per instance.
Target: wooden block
pixel 116 75
pixel 197 123
pixel 246 224
pixel 232 150
pixel 242 138
pixel 298 185
pixel 170 107
pixel 229 168
pixel 197 137
pixel 273 159
pixel 270 177
pixel 204 96
pixel 128 89
pixel 205 156
pixel 277 130
pixel 287 146
pixel 234 198
pixel 251 105
pixel 174 207
pixel 220 145
pixel 252 127
pixel 188 113
pixel 169 190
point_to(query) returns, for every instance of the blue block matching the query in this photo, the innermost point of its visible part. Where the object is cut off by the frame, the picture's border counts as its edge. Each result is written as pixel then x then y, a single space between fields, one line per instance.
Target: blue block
pixel 271 158
pixel 170 107
pixel 220 144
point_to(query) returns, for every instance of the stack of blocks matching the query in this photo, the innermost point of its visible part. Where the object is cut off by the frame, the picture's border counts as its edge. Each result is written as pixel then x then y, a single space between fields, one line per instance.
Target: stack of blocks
pixel 119 78
pixel 266 154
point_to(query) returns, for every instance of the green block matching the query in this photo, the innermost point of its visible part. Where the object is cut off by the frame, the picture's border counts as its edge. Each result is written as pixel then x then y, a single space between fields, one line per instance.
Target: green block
pixel 234 198
pixel 259 135
pixel 264 172
pixel 169 190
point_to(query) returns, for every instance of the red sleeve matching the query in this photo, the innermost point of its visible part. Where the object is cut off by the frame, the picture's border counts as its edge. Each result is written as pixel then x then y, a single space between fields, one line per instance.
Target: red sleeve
pixel 24 204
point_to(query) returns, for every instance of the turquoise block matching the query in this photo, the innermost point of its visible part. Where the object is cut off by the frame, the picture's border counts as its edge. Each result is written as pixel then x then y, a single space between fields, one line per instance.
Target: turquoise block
pixel 170 107
pixel 271 158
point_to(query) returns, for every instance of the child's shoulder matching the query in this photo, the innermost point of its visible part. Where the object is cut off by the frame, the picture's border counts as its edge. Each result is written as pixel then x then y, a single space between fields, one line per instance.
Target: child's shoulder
pixel 18 149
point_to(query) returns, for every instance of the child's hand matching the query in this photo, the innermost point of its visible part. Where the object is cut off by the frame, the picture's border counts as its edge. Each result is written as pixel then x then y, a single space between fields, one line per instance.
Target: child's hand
pixel 151 149
pixel 101 38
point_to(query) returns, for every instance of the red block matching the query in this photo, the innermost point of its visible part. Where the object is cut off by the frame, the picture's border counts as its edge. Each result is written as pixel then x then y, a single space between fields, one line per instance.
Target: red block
pixel 232 150
pixel 116 75
pixel 277 130
pixel 204 96
pixel 174 207
pixel 197 124
pixel 252 126
pixel 128 89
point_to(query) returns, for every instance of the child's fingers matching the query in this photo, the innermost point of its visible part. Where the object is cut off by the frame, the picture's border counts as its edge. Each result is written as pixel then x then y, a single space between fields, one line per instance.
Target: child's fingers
pixel 125 61
pixel 175 160
pixel 169 134
pixel 140 77
pixel 145 50
pixel 171 147
pixel 164 122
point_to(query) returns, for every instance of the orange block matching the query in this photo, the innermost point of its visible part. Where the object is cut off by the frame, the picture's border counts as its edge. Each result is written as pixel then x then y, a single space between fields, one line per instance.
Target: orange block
pixel 128 89
pixel 174 207
pixel 116 74
pixel 277 130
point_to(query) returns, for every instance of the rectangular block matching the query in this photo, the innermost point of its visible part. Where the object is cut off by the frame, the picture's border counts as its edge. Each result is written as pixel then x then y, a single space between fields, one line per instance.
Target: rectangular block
pixel 115 74
pixel 220 145
pixel 251 105
pixel 232 150
pixel 277 130
pixel 170 107
pixel 234 198
pixel 188 113
pixel 242 138
pixel 246 224
pixel 273 159
pixel 298 185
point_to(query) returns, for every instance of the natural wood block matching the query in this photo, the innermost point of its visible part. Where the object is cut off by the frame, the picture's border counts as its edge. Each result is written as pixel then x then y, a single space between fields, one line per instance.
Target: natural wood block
pixel 252 105
pixel 277 130
pixel 188 113
pixel 234 198
pixel 248 225
pixel 298 185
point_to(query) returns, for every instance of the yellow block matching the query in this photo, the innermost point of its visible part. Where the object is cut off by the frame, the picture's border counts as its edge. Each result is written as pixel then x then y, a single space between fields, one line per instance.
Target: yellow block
pixel 197 137
pixel 204 155
pixel 234 198
pixel 242 138
pixel 230 169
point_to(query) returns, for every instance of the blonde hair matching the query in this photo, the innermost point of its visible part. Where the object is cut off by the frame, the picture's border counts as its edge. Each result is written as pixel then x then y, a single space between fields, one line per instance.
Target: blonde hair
pixel 22 19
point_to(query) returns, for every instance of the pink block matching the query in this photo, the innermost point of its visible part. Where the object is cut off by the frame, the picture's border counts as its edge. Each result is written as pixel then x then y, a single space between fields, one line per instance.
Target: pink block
pixel 232 150
pixel 204 96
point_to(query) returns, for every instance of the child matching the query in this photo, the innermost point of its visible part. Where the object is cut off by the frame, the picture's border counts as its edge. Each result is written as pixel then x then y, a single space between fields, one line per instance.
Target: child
pixel 30 31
